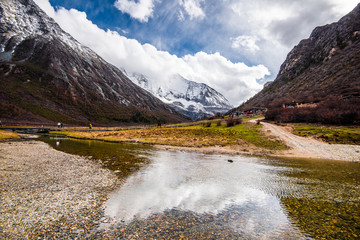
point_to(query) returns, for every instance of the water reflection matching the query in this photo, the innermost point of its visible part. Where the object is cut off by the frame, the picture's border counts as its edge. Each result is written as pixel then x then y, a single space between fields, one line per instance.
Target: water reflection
pixel 123 159
pixel 175 195
pixel 205 184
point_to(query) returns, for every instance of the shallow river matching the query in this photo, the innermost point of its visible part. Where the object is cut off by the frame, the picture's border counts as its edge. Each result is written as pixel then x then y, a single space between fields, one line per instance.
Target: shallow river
pixel 176 194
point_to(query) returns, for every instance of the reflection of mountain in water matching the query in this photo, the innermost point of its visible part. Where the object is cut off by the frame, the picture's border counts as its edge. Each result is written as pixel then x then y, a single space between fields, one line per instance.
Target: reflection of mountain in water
pixel 204 184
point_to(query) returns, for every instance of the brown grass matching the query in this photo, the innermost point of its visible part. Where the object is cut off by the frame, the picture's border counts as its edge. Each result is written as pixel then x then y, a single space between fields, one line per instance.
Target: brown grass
pixel 8 135
pixel 190 136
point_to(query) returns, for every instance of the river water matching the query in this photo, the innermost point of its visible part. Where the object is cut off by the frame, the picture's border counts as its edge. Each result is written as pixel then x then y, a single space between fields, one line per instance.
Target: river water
pixel 185 195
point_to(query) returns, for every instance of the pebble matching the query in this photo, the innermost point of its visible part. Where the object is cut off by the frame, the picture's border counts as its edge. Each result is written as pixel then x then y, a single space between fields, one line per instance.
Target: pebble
pixel 50 194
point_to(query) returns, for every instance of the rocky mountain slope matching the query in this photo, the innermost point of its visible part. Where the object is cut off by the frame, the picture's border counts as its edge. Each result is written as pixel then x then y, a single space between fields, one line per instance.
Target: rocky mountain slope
pixel 46 75
pixel 195 100
pixel 326 64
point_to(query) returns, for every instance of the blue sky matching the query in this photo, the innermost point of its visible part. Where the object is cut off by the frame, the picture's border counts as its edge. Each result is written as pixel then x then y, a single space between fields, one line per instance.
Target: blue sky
pixel 164 30
pixel 234 46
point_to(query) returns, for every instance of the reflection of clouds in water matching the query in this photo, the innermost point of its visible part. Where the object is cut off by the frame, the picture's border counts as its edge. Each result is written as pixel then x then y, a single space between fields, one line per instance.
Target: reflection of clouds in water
pixel 202 184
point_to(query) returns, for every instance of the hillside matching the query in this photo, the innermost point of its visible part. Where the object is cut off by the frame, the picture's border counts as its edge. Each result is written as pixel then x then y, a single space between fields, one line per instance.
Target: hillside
pixel 326 66
pixel 47 76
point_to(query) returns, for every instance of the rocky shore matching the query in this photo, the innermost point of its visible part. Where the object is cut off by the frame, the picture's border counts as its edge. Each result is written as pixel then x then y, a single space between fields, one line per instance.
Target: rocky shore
pixel 49 194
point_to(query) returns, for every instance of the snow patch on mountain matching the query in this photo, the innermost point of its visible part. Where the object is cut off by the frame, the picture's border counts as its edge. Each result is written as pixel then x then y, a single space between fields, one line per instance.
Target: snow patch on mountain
pixel 196 100
pixel 22 21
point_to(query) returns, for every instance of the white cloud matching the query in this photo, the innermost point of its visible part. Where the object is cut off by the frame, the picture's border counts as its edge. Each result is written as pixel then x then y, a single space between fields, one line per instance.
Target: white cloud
pixel 235 81
pixel 246 43
pixel 342 7
pixel 181 16
pixel 141 10
pixel 283 21
pixel 192 8
pixel 46 7
pixel 278 26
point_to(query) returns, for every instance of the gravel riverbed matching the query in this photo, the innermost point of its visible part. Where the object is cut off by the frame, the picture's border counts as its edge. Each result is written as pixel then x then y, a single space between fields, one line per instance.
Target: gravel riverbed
pixel 49 194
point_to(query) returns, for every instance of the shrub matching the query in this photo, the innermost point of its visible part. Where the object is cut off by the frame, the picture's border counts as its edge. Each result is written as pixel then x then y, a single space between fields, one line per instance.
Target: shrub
pixel 218 123
pixel 238 121
pixel 330 111
pixel 230 122
pixel 207 124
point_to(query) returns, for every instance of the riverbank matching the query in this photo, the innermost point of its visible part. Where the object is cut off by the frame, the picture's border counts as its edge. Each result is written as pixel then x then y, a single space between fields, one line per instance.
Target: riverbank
pixel 50 194
pixel 249 138
pixel 245 136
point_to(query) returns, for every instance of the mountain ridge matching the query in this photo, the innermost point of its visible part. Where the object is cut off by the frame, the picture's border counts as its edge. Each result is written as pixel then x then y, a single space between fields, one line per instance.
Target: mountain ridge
pixel 56 75
pixel 325 64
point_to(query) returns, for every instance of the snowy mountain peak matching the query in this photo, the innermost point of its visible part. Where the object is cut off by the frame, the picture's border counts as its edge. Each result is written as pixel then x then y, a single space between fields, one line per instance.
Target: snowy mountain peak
pixel 196 100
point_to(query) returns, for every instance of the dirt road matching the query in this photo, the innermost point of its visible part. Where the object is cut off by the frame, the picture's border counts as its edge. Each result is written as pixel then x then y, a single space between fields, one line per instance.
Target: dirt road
pixel 311 148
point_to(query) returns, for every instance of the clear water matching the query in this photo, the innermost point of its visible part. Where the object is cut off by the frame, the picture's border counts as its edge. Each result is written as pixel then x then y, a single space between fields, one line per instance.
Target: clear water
pixel 176 194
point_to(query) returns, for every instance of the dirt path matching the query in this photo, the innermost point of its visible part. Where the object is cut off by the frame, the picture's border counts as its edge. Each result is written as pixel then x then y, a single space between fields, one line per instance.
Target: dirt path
pixel 311 148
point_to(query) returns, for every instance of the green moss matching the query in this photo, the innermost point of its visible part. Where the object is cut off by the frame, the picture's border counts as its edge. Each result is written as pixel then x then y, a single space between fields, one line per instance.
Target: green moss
pixel 322 220
pixel 328 207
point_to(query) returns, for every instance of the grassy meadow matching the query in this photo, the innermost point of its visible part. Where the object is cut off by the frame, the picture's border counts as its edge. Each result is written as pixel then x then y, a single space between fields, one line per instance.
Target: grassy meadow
pixel 203 134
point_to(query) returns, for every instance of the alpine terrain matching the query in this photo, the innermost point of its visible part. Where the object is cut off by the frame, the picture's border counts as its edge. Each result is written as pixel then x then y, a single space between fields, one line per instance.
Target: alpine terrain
pixel 195 100
pixel 323 70
pixel 47 76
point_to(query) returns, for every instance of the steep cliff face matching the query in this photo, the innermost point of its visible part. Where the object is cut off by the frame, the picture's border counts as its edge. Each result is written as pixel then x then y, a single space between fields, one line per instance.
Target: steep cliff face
pixel 47 74
pixel 327 63
pixel 195 100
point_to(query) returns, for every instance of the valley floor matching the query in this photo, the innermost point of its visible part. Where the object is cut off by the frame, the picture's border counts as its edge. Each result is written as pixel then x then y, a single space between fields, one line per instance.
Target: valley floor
pixel 266 139
pixel 49 194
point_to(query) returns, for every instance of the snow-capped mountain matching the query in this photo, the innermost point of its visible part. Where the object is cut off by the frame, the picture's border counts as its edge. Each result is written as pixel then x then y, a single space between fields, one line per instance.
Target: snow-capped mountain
pixel 45 74
pixel 195 100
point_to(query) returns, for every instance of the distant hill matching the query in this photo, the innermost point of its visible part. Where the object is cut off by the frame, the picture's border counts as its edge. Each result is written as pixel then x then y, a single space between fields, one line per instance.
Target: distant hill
pixel 47 76
pixel 324 66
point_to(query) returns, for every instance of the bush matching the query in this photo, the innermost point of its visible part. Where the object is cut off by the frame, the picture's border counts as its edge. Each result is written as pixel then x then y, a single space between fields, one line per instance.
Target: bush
pixel 330 111
pixel 218 123
pixel 230 122
pixel 207 124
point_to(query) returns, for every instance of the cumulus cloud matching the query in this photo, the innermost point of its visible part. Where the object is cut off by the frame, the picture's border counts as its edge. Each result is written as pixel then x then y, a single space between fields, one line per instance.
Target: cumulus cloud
pixel 261 31
pixel 246 43
pixel 286 22
pixel 192 8
pixel 141 10
pixel 236 81
pixel 279 26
